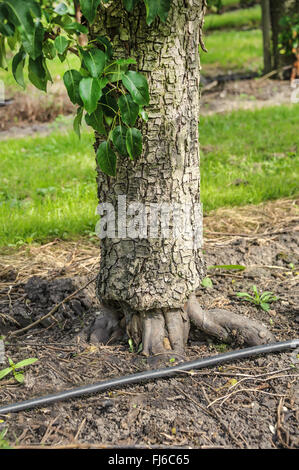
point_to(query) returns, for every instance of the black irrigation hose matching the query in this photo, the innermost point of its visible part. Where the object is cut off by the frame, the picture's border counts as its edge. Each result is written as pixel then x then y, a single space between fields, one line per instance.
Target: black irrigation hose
pixel 150 374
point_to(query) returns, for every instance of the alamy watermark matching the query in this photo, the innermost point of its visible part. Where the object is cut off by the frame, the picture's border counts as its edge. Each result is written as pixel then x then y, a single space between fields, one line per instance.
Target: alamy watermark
pixel 295 92
pixel 154 220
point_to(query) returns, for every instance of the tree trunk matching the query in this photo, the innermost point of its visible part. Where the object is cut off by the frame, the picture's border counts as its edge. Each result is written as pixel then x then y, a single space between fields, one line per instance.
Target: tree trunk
pixel 278 9
pixel 149 276
pixel 266 28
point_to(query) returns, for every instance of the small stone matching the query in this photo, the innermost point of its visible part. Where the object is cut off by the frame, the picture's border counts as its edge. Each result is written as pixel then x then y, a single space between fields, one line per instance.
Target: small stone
pixel 262 334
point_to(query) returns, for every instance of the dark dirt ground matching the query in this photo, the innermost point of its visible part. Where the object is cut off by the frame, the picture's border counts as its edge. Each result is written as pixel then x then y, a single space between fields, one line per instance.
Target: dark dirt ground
pixel 250 403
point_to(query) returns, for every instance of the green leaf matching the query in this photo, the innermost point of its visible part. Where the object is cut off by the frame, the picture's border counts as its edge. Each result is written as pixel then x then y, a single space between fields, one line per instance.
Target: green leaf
pixel 33 44
pixel 75 27
pixel 207 282
pixel 77 122
pixel 90 91
pixel 95 120
pixel 134 142
pixel 136 84
pixel 131 345
pixel 61 43
pixel 156 8
pixel 129 4
pixel 106 159
pixel 3 61
pixel 116 70
pixel 13 40
pixel 71 79
pixel 49 49
pixel 89 9
pixel 62 57
pixel 6 27
pixel 11 363
pixel 129 109
pixel 94 60
pixel 254 288
pixel 247 297
pixel 18 63
pixel 21 15
pixel 108 103
pixel 26 362
pixel 143 114
pixel 19 376
pixel 228 266
pixel 37 73
pixel 107 45
pixel 119 139
pixel 5 372
pixel 61 9
pixel 265 306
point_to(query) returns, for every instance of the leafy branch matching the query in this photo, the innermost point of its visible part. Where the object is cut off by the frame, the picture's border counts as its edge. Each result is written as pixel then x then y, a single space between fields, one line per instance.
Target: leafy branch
pixel 107 92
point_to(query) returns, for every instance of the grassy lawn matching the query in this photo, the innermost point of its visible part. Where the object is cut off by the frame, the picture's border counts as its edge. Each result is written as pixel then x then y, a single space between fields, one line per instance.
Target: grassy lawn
pixel 249 156
pixel 47 187
pixel 232 51
pixel 47 184
pixel 245 18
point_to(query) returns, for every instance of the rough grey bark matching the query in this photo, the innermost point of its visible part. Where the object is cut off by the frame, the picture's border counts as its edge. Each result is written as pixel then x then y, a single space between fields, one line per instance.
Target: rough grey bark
pixel 145 282
pixel 278 9
pixel 148 273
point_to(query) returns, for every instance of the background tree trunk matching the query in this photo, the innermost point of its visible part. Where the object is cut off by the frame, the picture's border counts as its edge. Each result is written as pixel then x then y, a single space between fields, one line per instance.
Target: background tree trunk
pixel 266 28
pixel 278 9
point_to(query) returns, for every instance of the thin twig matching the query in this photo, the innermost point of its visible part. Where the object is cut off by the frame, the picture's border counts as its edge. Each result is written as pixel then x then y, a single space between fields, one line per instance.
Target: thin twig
pixel 52 311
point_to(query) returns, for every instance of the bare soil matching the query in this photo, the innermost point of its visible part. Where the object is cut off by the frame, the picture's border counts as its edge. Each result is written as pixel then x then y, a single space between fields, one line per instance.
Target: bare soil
pixel 34 112
pixel 33 108
pixel 250 403
pixel 245 94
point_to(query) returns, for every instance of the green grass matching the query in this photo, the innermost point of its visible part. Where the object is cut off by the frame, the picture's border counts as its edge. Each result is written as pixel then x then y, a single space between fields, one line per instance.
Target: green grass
pixel 228 3
pixel 48 189
pixel 232 51
pixel 258 148
pixel 245 18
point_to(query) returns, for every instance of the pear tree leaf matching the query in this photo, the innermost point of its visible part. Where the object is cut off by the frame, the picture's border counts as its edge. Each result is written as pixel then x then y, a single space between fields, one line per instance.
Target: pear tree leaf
pixel 106 159
pixel 129 109
pixel 119 139
pixel 77 122
pixel 61 43
pixel 94 60
pixel 137 85
pixel 95 120
pixel 90 90
pixel 134 142
pixel 18 63
pixel 71 79
pixel 89 9
pixel 156 8
pixel 61 9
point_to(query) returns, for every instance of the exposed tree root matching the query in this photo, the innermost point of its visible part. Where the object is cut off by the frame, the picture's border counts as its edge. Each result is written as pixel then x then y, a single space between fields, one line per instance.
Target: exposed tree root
pixel 227 326
pixel 107 327
pixel 165 333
